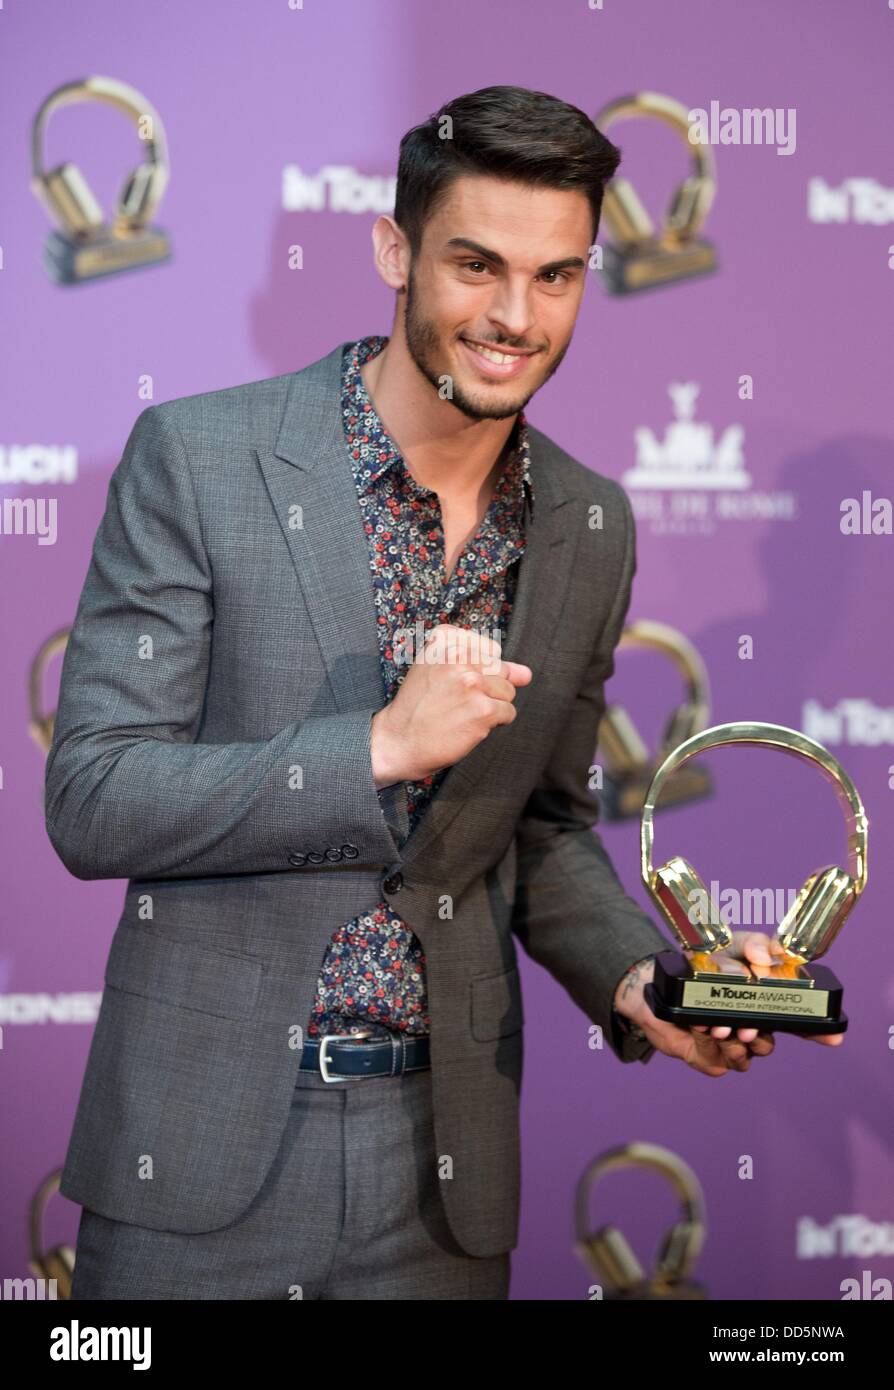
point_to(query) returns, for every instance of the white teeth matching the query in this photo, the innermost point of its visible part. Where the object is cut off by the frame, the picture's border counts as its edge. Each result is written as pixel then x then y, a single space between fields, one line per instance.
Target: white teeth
pixel 492 356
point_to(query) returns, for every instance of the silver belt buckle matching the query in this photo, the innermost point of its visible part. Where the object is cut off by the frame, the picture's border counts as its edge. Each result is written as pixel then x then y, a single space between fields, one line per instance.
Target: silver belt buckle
pixel 338 1037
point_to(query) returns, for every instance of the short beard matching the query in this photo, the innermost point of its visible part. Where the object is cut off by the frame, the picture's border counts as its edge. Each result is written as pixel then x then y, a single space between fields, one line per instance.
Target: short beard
pixel 423 343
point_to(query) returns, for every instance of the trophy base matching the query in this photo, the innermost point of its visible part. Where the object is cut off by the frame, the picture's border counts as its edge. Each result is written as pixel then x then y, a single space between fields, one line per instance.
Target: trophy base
pixel 75 262
pixel 656 262
pixel 788 999
pixel 622 796
pixel 670 1293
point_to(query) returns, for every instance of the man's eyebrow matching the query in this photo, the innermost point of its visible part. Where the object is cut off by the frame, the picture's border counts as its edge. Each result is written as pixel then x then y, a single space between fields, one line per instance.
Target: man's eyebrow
pixel 463 243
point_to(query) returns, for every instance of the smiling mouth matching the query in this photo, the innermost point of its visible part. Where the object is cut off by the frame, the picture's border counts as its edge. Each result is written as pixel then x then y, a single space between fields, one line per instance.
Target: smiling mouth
pixel 502 356
pixel 497 364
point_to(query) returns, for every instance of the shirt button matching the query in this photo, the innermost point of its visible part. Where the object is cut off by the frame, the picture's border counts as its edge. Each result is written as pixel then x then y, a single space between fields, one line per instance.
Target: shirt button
pixel 393 883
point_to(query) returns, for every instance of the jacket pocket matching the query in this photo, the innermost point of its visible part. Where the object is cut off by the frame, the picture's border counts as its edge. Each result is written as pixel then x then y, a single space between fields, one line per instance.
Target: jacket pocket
pixel 144 962
pixel 496 1005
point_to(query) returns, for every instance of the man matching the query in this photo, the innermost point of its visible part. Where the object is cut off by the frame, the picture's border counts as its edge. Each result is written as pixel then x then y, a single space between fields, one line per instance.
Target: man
pixel 304 1077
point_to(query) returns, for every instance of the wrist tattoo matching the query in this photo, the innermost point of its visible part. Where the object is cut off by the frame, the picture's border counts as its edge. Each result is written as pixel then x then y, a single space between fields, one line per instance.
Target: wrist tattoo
pixel 632 977
pixel 629 981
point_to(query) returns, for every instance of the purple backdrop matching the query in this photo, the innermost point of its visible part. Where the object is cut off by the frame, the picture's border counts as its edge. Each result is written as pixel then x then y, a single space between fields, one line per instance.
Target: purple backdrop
pixel 801 303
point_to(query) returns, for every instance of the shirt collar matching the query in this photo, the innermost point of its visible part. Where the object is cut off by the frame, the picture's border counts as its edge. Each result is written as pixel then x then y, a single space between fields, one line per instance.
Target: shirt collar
pixel 358 406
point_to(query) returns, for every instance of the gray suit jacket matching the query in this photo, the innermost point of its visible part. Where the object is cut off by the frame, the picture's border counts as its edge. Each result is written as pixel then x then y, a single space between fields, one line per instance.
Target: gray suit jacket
pixel 214 722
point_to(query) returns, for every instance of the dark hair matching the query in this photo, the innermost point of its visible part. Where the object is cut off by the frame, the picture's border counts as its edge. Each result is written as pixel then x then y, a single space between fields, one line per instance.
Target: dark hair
pixel 505 132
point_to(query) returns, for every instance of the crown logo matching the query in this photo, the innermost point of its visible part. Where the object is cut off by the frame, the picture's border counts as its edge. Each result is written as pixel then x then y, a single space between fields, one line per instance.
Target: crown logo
pixel 688 456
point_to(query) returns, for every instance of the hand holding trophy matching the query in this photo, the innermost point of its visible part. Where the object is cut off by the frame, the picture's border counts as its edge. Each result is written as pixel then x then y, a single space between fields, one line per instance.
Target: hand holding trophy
pixel 706 987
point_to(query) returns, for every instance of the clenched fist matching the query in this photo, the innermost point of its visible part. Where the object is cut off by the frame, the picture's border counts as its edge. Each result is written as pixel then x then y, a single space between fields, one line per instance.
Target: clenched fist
pixel 455 691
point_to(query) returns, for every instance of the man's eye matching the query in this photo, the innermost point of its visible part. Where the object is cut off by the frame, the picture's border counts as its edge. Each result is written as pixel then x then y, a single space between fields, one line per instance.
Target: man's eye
pixel 470 265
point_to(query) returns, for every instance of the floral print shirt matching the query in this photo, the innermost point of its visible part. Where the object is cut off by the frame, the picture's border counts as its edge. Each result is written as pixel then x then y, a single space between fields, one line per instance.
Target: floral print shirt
pixel 373 972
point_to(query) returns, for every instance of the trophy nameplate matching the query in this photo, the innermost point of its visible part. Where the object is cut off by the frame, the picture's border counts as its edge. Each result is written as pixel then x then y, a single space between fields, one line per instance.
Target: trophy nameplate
pixel 797 999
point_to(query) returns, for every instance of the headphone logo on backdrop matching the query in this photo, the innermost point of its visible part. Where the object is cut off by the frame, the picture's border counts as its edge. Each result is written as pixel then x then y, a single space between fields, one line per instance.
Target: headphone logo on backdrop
pixel 706 476
pixel 42 721
pixel 52 1265
pixel 629 764
pixel 609 1254
pixel 640 257
pixel 84 246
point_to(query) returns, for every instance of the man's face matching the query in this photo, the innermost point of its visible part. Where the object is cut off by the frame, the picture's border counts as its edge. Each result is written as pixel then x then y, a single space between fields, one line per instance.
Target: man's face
pixel 502 266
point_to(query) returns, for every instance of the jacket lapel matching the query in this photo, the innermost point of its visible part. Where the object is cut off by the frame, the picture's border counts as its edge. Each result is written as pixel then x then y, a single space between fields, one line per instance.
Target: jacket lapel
pixel 310 469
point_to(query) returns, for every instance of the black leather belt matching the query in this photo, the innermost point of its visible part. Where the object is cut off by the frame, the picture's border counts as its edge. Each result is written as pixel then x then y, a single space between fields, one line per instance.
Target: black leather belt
pixel 338 1057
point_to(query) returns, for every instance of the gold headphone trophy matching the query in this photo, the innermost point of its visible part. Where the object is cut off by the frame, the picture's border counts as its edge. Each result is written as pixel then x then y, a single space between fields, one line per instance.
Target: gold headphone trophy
pixel 641 258
pixel 607 1250
pixel 628 765
pixel 58 1262
pixel 791 996
pixel 84 246
pixel 42 722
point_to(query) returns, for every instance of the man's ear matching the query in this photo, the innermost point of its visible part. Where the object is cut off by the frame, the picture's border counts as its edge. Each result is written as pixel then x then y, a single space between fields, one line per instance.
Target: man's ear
pixel 390 252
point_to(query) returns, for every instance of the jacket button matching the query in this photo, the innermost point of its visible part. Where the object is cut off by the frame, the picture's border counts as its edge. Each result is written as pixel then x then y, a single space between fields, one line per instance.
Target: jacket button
pixel 350 851
pixel 393 883
pixel 314 857
pixel 297 859
pixel 333 854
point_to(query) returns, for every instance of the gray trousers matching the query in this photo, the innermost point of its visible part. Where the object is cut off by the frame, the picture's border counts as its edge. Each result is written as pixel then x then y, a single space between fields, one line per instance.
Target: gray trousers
pixel 350 1209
